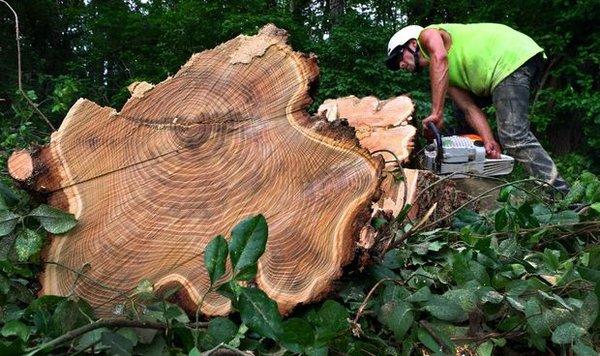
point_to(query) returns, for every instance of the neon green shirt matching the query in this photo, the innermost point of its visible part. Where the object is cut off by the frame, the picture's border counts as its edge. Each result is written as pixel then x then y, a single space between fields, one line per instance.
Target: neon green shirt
pixel 483 54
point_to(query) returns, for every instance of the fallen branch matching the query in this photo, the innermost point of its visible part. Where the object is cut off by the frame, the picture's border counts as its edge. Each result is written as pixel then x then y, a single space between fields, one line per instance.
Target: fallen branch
pixel 485 337
pixel 113 322
pixel 366 300
pixel 435 336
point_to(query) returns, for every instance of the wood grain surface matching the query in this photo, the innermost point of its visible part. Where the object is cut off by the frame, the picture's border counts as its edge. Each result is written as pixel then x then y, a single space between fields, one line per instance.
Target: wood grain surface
pixel 381 126
pixel 183 161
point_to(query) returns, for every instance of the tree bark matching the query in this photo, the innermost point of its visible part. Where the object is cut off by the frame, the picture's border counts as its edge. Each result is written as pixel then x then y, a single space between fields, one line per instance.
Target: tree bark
pixel 336 8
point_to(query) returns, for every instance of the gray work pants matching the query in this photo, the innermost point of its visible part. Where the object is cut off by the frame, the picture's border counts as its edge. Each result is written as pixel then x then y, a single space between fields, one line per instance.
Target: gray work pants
pixel 511 100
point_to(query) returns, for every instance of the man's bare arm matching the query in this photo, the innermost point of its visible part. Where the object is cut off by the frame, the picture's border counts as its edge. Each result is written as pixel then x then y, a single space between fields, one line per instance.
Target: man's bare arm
pixel 476 119
pixel 433 42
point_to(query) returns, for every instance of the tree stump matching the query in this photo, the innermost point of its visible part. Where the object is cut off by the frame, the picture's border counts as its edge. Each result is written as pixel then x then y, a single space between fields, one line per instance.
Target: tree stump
pixel 185 160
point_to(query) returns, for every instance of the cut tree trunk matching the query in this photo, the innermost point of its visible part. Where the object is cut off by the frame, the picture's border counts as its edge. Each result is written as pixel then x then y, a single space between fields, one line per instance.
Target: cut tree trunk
pixel 225 138
pixel 382 126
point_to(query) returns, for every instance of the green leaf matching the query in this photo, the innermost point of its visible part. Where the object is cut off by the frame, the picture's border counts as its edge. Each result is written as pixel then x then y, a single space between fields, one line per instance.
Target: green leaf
pixel 15 328
pixel 564 217
pixel 535 318
pixel 378 222
pixel 592 191
pixel 397 316
pixel 28 243
pixel 556 298
pixel 194 352
pixel 587 177
pixel 8 221
pixel 220 330
pixel 68 315
pixel 8 197
pixel 505 193
pixel 485 349
pixel 393 291
pixel 316 351
pixel 215 257
pixel 469 218
pixel 508 247
pixel 156 348
pixel 90 338
pixel 393 259
pixel 595 206
pixel 230 289
pixel 488 295
pixel 567 333
pixel 428 340
pixel 403 213
pixel 466 298
pixel 359 348
pixel 501 219
pixel 144 290
pixel 3 205
pixel 39 310
pixel 4 284
pixel 590 274
pixel 422 295
pixel 174 312
pixel 576 194
pixel 129 334
pixel 332 320
pixel 588 311
pixel 53 220
pixel 436 246
pixel 542 213
pixel 186 336
pixel 117 344
pixel 445 309
pixel 297 334
pixel 248 241
pixel 516 303
pixel 260 313
pixel 557 316
pixel 582 349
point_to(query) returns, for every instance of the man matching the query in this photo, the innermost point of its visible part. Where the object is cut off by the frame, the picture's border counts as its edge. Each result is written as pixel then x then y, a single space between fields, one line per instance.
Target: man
pixel 469 62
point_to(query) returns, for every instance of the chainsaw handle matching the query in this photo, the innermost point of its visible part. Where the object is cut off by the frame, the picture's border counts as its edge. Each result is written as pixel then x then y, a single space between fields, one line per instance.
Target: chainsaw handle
pixel 438 142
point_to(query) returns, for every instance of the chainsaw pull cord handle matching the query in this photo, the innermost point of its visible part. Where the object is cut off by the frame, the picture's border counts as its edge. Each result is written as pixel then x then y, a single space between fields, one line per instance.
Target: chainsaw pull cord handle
pixel 439 149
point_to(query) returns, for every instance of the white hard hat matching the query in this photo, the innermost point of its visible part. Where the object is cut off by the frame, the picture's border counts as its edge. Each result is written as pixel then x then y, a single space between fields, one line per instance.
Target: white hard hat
pixel 398 40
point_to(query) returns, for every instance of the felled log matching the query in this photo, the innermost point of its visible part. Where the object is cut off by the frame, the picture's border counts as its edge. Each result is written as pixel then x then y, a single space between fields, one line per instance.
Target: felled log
pixel 381 126
pixel 185 160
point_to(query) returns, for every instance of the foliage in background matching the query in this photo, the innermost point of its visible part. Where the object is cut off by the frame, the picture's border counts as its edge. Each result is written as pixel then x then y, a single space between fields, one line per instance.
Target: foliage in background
pixel 94 49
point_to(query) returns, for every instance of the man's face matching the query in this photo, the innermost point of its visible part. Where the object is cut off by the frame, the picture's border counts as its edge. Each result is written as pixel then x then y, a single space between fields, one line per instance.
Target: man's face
pixel 406 61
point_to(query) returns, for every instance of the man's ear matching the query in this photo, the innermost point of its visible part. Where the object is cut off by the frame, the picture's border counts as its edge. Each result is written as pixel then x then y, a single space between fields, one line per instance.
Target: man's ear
pixel 413 43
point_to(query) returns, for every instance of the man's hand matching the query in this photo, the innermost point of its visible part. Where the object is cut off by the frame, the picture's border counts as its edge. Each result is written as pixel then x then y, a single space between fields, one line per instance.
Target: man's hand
pixel 437 120
pixel 492 149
